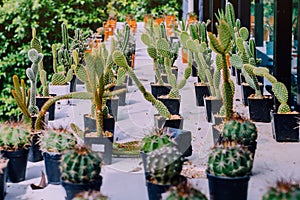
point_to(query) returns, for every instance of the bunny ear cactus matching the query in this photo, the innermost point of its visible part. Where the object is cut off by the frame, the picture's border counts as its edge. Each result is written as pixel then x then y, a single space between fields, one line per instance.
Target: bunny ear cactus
pixel 120 60
pixel 230 160
pixel 32 73
pixel 222 45
pixel 164 164
pixel 283 190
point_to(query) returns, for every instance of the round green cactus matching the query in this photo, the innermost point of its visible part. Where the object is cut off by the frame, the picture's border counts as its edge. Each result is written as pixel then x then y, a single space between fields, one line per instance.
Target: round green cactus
pixel 230 160
pixel 80 165
pixel 164 164
pixel 156 141
pixel 87 195
pixel 243 131
pixel 185 192
pixel 57 140
pixel 14 136
pixel 283 190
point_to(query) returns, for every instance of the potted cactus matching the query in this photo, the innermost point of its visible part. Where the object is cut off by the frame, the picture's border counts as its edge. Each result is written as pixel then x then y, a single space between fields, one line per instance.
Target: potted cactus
pixel 14 145
pixel 80 171
pixel 228 169
pixel 88 195
pixel 283 190
pixel 53 143
pixel 164 167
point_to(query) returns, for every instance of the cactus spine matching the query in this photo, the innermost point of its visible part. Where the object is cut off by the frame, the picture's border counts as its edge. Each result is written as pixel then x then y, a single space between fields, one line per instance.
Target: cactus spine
pixel 283 190
pixel 32 73
pixel 184 191
pixel 80 165
pixel 156 141
pixel 230 159
pixel 164 164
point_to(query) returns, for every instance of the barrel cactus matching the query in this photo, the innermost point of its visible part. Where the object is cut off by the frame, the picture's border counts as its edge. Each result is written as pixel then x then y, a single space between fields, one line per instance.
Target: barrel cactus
pixel 243 131
pixel 185 192
pixel 57 140
pixel 229 159
pixel 164 165
pixel 155 141
pixel 283 190
pixel 80 165
pixel 87 195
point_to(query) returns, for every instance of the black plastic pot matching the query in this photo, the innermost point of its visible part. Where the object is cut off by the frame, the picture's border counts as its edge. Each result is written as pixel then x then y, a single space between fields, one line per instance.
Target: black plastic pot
pixel 161 122
pixel 155 190
pixel 90 123
pixel 212 106
pixel 226 188
pixel 165 76
pixel 52 162
pixel 173 105
pixel 194 69
pixel 16 167
pixel 35 154
pixel 238 76
pixel 74 188
pixel 233 71
pixel 40 101
pixel 113 105
pixel 158 90
pixel 73 84
pixel 246 91
pixel 216 133
pixel 259 109
pixel 122 96
pixel 3 184
pixel 285 127
pixel 201 91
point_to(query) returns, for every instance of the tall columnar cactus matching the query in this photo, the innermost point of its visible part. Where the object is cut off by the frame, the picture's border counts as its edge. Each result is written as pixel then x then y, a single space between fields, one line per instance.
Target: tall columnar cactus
pixel 279 89
pixel 21 97
pixel 283 190
pixel 243 131
pixel 64 57
pixel 80 165
pixel 120 60
pixel 32 74
pixel 164 164
pixel 222 45
pixel 230 160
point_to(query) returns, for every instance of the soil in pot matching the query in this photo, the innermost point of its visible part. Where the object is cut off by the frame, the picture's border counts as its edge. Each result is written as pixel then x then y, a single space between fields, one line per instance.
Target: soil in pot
pixel 246 91
pixel 285 127
pixel 226 188
pixel 201 91
pixel 173 105
pixel 158 90
pixel 259 108
pixel 74 188
pixel 176 121
pixel 212 106
pixel 52 162
pixel 16 167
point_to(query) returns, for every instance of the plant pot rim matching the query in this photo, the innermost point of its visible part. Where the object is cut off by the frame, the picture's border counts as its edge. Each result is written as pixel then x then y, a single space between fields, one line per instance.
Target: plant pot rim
pixel 156 84
pixel 252 96
pixel 200 84
pixel 98 180
pixel 226 177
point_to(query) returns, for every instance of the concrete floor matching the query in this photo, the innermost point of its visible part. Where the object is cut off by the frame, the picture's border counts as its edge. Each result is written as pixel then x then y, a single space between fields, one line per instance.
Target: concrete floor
pixel 124 178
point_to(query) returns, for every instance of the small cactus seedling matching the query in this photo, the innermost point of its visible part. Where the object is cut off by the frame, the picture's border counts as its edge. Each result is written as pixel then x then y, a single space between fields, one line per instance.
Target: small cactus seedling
pixel 230 160
pixel 80 165
pixel 32 74
pixel 90 195
pixel 184 191
pixel 164 165
pixel 286 190
pixel 56 140
pixel 14 136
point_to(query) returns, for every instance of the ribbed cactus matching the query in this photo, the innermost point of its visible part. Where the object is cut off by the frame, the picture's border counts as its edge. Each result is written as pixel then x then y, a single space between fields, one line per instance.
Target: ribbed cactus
pixel 243 131
pixel 80 165
pixel 222 45
pixel 156 141
pixel 120 60
pixel 279 89
pixel 32 74
pixel 14 136
pixel 64 57
pixel 230 159
pixel 286 190
pixel 164 164
pixel 21 97
pixel 90 195
pixel 185 192
pixel 79 45
pixel 56 140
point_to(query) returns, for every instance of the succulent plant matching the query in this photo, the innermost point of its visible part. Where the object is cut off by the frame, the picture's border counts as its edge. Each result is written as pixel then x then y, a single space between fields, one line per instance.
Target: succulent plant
pixel 80 165
pixel 156 141
pixel 32 74
pixel 56 140
pixel 283 190
pixel 164 165
pixel 184 191
pixel 230 159
pixel 14 136
pixel 120 60
pixel 241 130
pixel 90 195
pixel 21 97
